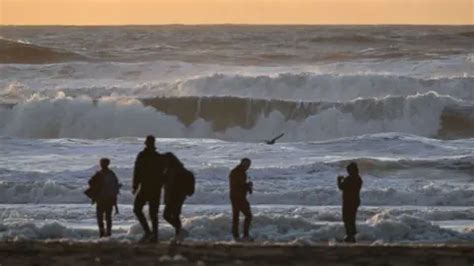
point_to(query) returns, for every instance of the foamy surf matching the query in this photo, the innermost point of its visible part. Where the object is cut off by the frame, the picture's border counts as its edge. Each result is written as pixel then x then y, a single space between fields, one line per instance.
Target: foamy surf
pixel 285 224
pixel 399 105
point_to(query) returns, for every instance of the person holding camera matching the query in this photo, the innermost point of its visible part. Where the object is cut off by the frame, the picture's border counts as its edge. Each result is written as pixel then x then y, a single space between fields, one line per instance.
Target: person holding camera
pixel 239 187
pixel 350 187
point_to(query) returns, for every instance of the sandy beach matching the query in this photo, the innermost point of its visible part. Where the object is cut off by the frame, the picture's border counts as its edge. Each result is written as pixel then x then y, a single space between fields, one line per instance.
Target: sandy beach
pixel 107 253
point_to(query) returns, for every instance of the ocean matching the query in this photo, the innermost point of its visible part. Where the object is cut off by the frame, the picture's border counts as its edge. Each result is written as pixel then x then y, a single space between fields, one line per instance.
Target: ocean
pixel 399 100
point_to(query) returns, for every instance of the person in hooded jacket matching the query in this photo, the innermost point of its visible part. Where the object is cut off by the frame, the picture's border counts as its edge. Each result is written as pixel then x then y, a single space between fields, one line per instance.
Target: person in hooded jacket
pixel 350 187
pixel 103 190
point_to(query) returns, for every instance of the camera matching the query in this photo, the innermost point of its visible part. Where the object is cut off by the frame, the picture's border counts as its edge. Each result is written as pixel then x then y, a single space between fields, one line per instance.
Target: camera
pixel 250 187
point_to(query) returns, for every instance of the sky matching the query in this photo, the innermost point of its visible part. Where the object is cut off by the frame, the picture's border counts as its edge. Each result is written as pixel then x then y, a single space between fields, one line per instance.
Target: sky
pixel 126 12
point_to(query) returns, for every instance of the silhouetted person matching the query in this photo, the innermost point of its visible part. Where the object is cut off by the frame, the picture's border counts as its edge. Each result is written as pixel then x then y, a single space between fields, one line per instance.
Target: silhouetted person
pixel 179 185
pixel 103 190
pixel 350 187
pixel 273 141
pixel 239 187
pixel 148 180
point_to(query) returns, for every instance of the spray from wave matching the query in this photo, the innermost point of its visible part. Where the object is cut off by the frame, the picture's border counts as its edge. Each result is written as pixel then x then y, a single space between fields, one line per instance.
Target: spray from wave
pixel 314 86
pixel 233 118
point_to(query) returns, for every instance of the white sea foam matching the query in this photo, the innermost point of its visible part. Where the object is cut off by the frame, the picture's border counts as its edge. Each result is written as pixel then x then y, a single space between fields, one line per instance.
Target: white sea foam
pixel 83 117
pixel 310 86
pixel 434 195
pixel 386 106
pixel 383 226
pixel 319 87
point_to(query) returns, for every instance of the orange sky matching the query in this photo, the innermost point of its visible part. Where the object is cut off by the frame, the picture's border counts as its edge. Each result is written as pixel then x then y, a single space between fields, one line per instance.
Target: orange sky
pixel 99 12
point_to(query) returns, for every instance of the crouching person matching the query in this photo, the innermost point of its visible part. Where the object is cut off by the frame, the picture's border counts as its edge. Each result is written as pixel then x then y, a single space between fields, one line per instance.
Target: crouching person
pixel 350 187
pixel 103 190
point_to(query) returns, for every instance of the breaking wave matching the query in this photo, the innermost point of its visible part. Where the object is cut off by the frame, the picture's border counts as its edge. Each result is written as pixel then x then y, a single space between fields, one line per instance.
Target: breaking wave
pixel 235 118
pixel 311 86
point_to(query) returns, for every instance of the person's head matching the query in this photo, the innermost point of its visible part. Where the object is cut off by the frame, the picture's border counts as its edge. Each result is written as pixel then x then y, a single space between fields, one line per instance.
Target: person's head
pixel 245 163
pixel 104 163
pixel 150 141
pixel 352 169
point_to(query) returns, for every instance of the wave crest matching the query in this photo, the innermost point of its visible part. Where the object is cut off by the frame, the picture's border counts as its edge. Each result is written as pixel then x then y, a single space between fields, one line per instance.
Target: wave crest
pixel 234 118
pixel 17 52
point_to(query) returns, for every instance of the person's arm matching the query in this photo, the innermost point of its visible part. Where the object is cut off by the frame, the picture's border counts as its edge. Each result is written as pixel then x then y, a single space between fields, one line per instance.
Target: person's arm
pixel 116 181
pixel 93 180
pixel 340 182
pixel 136 174
pixel 242 183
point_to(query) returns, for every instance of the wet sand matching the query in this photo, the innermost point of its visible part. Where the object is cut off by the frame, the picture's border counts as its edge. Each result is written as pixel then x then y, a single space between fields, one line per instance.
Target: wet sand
pixel 107 253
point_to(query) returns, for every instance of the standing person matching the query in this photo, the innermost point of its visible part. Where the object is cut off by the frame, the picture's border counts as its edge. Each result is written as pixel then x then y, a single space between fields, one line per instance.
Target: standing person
pixel 179 185
pixel 350 187
pixel 103 190
pixel 239 187
pixel 148 180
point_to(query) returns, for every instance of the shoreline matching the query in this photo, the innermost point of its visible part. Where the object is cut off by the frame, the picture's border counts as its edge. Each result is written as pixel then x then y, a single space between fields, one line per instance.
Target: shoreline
pixel 206 253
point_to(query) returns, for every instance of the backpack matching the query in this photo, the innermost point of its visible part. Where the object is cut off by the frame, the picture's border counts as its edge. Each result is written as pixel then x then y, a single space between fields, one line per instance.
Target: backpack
pixel 103 186
pixel 110 187
pixel 189 182
pixel 93 190
pixel 186 176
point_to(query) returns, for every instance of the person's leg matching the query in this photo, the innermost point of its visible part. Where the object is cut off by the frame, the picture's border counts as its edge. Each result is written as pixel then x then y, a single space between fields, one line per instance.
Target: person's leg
pixel 138 204
pixel 355 219
pixel 352 221
pixel 168 214
pixel 245 209
pixel 153 209
pixel 172 214
pixel 100 219
pixel 108 219
pixel 348 216
pixel 345 220
pixel 177 211
pixel 235 220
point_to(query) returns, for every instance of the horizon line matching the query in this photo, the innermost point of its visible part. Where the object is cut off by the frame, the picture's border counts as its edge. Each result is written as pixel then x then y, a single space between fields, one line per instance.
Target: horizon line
pixel 229 24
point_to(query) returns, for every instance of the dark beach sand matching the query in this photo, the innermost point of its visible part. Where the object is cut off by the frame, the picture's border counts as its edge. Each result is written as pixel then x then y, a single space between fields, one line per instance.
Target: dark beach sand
pixel 79 253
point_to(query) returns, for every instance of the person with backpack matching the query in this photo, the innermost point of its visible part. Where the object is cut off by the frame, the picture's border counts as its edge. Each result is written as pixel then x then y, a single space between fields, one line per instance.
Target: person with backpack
pixel 350 187
pixel 180 184
pixel 148 180
pixel 239 187
pixel 103 190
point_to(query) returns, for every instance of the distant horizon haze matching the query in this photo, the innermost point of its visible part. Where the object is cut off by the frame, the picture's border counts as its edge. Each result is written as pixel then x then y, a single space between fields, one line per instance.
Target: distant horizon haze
pixel 218 12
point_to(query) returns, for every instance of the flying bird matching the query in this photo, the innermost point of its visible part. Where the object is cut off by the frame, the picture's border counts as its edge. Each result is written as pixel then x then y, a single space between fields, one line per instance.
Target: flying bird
pixel 272 141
